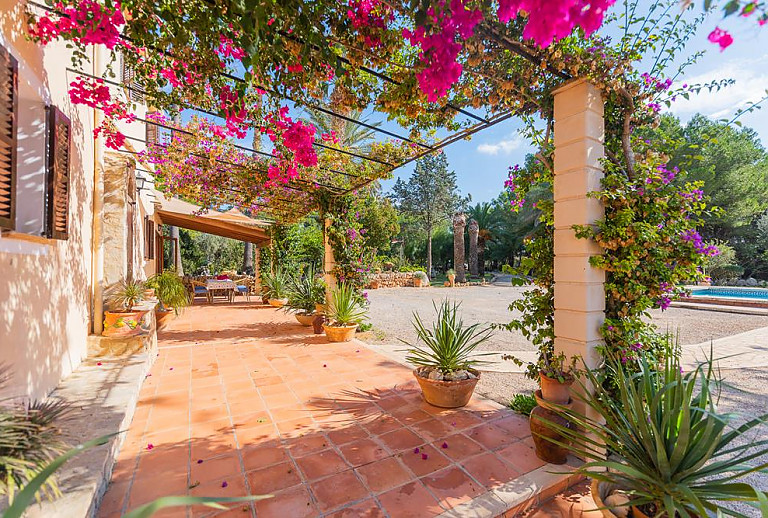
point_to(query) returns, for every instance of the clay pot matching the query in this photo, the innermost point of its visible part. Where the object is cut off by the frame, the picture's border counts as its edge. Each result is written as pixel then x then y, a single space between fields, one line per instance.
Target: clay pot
pixel 554 391
pixel 374 285
pixel 452 279
pixel 278 303
pixel 305 319
pixel 122 323
pixel 163 318
pixel 317 323
pixel 447 394
pixel 541 429
pixel 417 282
pixel 340 333
pixel 264 299
pixel 149 293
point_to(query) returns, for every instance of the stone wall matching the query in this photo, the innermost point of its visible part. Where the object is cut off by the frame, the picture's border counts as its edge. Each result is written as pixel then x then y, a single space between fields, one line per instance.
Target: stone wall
pixel 393 279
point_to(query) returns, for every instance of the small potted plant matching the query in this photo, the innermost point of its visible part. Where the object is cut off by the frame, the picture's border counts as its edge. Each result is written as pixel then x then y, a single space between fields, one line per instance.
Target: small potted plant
pixel 445 356
pixel 420 279
pixel 171 293
pixel 343 314
pixel 123 320
pixel 556 375
pixel 671 451
pixel 304 292
pixel 275 288
pixel 451 276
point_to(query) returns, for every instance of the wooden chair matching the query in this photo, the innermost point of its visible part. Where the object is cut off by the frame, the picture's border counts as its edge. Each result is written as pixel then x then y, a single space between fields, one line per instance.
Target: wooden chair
pixel 200 288
pixel 244 285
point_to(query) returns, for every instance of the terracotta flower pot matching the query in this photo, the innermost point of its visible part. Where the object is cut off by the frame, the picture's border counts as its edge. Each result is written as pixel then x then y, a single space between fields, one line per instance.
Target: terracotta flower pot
pixel 305 319
pixel 340 333
pixel 417 282
pixel 600 491
pixel 452 279
pixel 447 394
pixel 542 417
pixel 278 303
pixel 163 318
pixel 264 299
pixel 554 391
pixel 374 285
pixel 122 323
pixel 149 293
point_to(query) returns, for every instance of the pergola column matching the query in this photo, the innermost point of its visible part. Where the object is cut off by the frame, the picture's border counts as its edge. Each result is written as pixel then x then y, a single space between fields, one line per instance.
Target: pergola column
pixel 579 287
pixel 329 262
pixel 257 270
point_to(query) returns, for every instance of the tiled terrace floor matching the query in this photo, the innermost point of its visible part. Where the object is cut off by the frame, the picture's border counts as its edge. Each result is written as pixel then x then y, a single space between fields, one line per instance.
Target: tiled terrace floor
pixel 242 400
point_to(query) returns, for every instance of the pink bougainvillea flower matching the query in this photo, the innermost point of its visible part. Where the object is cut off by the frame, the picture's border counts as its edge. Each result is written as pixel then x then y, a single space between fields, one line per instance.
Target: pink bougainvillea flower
pixel 416 450
pixel 424 456
pixel 199 461
pixel 150 446
pixel 224 484
pixel 324 365
pixel 720 37
pixel 762 21
pixel 444 445
pixel 170 369
pixel 98 363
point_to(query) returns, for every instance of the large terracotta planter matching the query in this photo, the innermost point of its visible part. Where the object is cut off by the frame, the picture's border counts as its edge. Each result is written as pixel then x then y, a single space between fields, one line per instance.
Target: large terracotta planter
pixel 447 394
pixel 417 282
pixel 278 303
pixel 451 279
pixel 554 391
pixel 339 333
pixel 542 418
pixel 122 323
pixel 163 318
pixel 305 319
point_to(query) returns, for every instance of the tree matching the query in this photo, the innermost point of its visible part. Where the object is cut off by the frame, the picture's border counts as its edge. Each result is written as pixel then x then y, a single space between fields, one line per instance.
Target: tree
pixel 473 229
pixel 459 222
pixel 430 195
pixel 487 218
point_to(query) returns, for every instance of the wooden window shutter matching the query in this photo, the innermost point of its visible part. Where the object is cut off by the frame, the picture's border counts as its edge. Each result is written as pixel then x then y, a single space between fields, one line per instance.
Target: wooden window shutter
pixel 133 88
pixel 150 134
pixel 149 238
pixel 9 101
pixel 58 174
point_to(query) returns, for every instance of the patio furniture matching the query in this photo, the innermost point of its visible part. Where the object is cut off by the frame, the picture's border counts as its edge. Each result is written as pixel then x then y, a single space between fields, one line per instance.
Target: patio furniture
pixel 200 289
pixel 244 286
pixel 227 286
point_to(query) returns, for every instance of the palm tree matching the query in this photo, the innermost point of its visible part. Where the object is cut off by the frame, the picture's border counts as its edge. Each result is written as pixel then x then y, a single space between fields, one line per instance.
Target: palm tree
pixel 488 225
pixel 350 134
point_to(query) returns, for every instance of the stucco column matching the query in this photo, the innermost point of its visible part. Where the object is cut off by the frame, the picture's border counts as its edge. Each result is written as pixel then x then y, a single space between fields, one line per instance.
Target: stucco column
pixel 257 269
pixel 579 288
pixel 329 262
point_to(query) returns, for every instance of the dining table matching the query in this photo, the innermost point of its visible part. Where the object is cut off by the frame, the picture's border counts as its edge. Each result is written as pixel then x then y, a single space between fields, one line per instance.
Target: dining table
pixel 227 286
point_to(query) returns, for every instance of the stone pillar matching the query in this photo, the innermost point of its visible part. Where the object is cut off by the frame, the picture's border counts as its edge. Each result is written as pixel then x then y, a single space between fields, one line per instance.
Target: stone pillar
pixel 329 263
pixel 257 269
pixel 579 288
pixel 247 266
pixel 459 223
pixel 473 230
pixel 174 232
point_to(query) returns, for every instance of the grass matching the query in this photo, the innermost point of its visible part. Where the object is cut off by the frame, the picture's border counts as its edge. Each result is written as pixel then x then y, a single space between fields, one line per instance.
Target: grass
pixel 439 280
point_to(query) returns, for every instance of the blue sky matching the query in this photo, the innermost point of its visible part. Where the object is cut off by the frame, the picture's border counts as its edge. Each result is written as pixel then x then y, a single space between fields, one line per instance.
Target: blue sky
pixel 481 163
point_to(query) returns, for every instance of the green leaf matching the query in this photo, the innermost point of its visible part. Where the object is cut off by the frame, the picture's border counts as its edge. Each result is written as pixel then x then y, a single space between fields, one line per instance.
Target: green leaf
pixel 147 510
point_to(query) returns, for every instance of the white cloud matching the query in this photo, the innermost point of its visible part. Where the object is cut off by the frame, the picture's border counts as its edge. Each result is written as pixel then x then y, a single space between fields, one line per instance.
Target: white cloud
pixel 504 146
pixel 751 81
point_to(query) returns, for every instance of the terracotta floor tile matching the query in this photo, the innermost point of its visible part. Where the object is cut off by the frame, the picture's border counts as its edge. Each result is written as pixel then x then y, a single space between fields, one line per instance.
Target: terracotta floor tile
pixel 460 420
pixel 489 470
pixel 410 415
pixel 204 470
pixel 366 509
pixel 423 466
pixel 491 437
pixel 384 474
pixel 432 429
pixel 296 427
pixel 347 434
pixel 459 447
pixel 248 406
pixel 230 485
pixel 410 501
pixel 338 490
pixel 381 424
pixel 452 486
pixel 149 488
pixel 273 478
pixel 214 427
pixel 515 425
pixel 292 503
pixel 255 435
pixel 363 451
pixel 112 503
pixel 201 415
pixel 261 456
pixel 522 456
pixel 303 446
pixel 258 418
pixel 400 440
pixel 203 448
pixel 321 464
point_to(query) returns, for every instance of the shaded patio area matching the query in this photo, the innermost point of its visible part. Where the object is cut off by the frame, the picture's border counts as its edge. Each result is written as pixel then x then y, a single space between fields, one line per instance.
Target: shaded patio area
pixel 243 400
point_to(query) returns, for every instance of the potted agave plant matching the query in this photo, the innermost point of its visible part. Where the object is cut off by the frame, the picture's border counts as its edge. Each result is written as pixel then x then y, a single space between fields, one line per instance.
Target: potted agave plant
pixel 672 452
pixel 451 276
pixel 420 279
pixel 123 320
pixel 304 292
pixel 445 356
pixel 171 293
pixel 275 287
pixel 343 314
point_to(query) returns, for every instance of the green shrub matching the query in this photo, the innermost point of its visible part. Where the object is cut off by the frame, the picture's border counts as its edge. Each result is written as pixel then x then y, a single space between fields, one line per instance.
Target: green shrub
pixel 305 290
pixel 523 403
pixel 170 290
pixel 274 284
pixel 126 294
pixel 345 308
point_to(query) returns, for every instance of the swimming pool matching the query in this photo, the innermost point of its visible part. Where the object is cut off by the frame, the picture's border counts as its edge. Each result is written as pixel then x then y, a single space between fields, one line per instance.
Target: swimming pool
pixel 759 294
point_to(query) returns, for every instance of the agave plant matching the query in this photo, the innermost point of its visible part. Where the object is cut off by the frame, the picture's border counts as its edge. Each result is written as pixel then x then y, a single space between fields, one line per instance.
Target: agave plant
pixel 672 451
pixel 304 291
pixel 345 308
pixel 275 284
pixel 126 294
pixel 29 440
pixel 170 290
pixel 450 345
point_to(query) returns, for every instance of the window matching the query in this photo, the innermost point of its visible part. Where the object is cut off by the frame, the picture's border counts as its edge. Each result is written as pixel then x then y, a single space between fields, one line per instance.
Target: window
pixel 57 175
pixel 133 88
pixel 149 238
pixel 9 88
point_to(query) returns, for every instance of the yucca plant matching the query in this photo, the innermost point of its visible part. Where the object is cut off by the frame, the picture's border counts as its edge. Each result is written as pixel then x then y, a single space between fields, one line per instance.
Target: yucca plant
pixel 29 440
pixel 671 450
pixel 345 308
pixel 126 294
pixel 170 290
pixel 275 284
pixel 450 345
pixel 304 291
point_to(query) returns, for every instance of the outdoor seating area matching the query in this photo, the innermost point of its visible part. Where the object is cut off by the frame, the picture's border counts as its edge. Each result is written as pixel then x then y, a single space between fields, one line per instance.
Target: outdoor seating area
pixel 212 288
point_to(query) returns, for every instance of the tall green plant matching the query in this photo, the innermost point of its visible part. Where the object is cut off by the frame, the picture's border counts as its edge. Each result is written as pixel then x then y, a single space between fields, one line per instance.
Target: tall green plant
pixel 305 290
pixel 345 308
pixel 275 284
pixel 170 290
pixel 450 345
pixel 670 447
pixel 126 294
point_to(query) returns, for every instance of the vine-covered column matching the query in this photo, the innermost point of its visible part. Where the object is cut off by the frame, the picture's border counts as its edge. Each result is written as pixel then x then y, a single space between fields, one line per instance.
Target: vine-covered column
pixel 579 287
pixel 329 261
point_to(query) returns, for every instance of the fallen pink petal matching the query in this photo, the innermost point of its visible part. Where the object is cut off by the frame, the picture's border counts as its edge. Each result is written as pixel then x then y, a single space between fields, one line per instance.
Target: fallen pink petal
pixel 416 450
pixel 424 456
pixel 224 484
pixel 445 445
pixel 150 446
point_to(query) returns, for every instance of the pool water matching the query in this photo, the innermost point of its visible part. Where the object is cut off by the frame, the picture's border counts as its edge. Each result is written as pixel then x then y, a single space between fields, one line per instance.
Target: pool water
pixel 732 293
